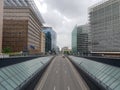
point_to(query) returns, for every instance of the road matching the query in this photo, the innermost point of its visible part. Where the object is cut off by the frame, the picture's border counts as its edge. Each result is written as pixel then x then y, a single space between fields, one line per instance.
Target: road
pixel 61 75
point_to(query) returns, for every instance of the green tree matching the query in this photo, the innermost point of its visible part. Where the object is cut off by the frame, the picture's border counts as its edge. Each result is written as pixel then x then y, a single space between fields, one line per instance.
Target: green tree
pixel 7 50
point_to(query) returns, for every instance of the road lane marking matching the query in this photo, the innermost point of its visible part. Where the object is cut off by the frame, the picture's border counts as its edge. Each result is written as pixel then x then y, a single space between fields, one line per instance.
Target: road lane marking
pixel 56 72
pixel 65 72
pixel 68 88
pixel 54 88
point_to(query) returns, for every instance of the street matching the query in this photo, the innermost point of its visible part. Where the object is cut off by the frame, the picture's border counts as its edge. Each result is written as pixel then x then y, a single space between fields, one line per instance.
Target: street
pixel 61 75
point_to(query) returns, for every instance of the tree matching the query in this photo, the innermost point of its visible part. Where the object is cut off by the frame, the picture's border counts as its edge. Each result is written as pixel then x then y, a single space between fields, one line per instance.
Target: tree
pixel 7 50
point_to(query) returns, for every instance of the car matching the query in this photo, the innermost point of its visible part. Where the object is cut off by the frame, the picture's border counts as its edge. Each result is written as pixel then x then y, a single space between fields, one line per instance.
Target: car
pixel 63 56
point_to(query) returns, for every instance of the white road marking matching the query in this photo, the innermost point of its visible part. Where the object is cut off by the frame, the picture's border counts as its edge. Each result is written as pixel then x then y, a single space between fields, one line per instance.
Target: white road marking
pixel 68 88
pixel 65 71
pixel 54 88
pixel 56 72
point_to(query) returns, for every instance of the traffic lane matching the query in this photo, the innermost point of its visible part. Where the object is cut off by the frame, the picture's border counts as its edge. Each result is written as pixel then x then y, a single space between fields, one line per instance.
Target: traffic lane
pixel 53 81
pixel 75 77
pixel 70 77
pixel 61 77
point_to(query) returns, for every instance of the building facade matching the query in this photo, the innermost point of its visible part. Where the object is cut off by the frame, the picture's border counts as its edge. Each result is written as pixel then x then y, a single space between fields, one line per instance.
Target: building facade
pixel 105 27
pixel 74 40
pixel 65 50
pixel 51 38
pixel 42 43
pixel 1 23
pixel 22 24
pixel 81 40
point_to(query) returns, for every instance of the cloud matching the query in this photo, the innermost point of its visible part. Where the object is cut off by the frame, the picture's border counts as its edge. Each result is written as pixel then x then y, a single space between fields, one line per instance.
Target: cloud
pixel 63 15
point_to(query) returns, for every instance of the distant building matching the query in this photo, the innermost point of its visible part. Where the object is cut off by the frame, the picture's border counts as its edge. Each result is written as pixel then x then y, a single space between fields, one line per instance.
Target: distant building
pixel 50 39
pixel 42 43
pixel 1 23
pixel 57 50
pixel 81 43
pixel 105 27
pixel 65 50
pixel 22 26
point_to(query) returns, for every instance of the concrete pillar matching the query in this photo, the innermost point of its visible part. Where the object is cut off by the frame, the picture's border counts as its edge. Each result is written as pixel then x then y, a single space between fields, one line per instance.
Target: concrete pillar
pixel 1 23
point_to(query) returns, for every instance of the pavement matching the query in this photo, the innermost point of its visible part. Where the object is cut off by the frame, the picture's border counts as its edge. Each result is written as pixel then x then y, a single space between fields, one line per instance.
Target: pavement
pixel 61 75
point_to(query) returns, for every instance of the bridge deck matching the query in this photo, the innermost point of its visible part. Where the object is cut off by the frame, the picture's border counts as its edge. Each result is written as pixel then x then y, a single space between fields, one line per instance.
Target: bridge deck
pixel 61 75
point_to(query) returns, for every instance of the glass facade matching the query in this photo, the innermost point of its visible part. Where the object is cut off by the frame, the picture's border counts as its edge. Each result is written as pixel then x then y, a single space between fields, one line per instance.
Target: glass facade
pixel 74 40
pixel 14 77
pixel 106 75
pixel 81 39
pixel 51 37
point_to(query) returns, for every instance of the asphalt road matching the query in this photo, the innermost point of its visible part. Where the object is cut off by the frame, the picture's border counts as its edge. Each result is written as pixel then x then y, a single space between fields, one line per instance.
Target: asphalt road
pixel 61 75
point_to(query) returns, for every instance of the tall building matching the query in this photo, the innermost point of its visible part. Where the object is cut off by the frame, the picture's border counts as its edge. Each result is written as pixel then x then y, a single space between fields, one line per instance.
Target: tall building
pixel 51 38
pixel 105 27
pixel 1 23
pixel 42 43
pixel 48 42
pixel 22 24
pixel 81 40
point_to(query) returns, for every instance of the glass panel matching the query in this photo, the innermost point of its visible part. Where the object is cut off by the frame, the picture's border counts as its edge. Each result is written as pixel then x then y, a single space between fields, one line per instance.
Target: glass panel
pixel 6 72
pixel 118 87
pixel 12 83
pixel 115 84
pixel 15 80
pixel 117 75
pixel 2 88
pixel 19 79
pixel 3 75
pixel 7 86
pixel 1 79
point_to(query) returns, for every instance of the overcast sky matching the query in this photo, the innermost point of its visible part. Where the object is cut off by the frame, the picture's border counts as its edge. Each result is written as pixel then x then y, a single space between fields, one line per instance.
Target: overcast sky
pixel 63 15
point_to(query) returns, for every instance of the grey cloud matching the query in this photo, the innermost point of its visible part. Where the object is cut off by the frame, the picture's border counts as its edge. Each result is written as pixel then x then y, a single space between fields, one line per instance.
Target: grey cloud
pixel 75 10
pixel 69 8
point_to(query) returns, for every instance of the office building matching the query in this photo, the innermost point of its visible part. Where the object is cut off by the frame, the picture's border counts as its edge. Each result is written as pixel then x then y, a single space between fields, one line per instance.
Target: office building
pixel 22 24
pixel 42 43
pixel 1 23
pixel 81 40
pixel 105 27
pixel 51 38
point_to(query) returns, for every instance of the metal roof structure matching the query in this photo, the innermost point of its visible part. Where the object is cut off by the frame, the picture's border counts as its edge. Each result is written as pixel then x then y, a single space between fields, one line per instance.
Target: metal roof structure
pixel 106 75
pixel 24 3
pixel 14 77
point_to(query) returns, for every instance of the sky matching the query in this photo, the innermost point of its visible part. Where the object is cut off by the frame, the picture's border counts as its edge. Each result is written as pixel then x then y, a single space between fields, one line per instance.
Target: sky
pixel 63 15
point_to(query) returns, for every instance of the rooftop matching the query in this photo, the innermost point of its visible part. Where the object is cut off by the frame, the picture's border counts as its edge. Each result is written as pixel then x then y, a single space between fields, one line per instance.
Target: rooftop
pixel 24 3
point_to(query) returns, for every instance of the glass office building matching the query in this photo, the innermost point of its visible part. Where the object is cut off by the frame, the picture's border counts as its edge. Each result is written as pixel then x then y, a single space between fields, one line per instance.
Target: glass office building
pixel 81 40
pixel 74 40
pixel 51 38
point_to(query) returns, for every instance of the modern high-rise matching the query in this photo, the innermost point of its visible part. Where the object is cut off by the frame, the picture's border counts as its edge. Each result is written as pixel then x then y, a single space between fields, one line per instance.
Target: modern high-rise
pixel 81 39
pixel 51 38
pixel 1 23
pixel 22 24
pixel 105 27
